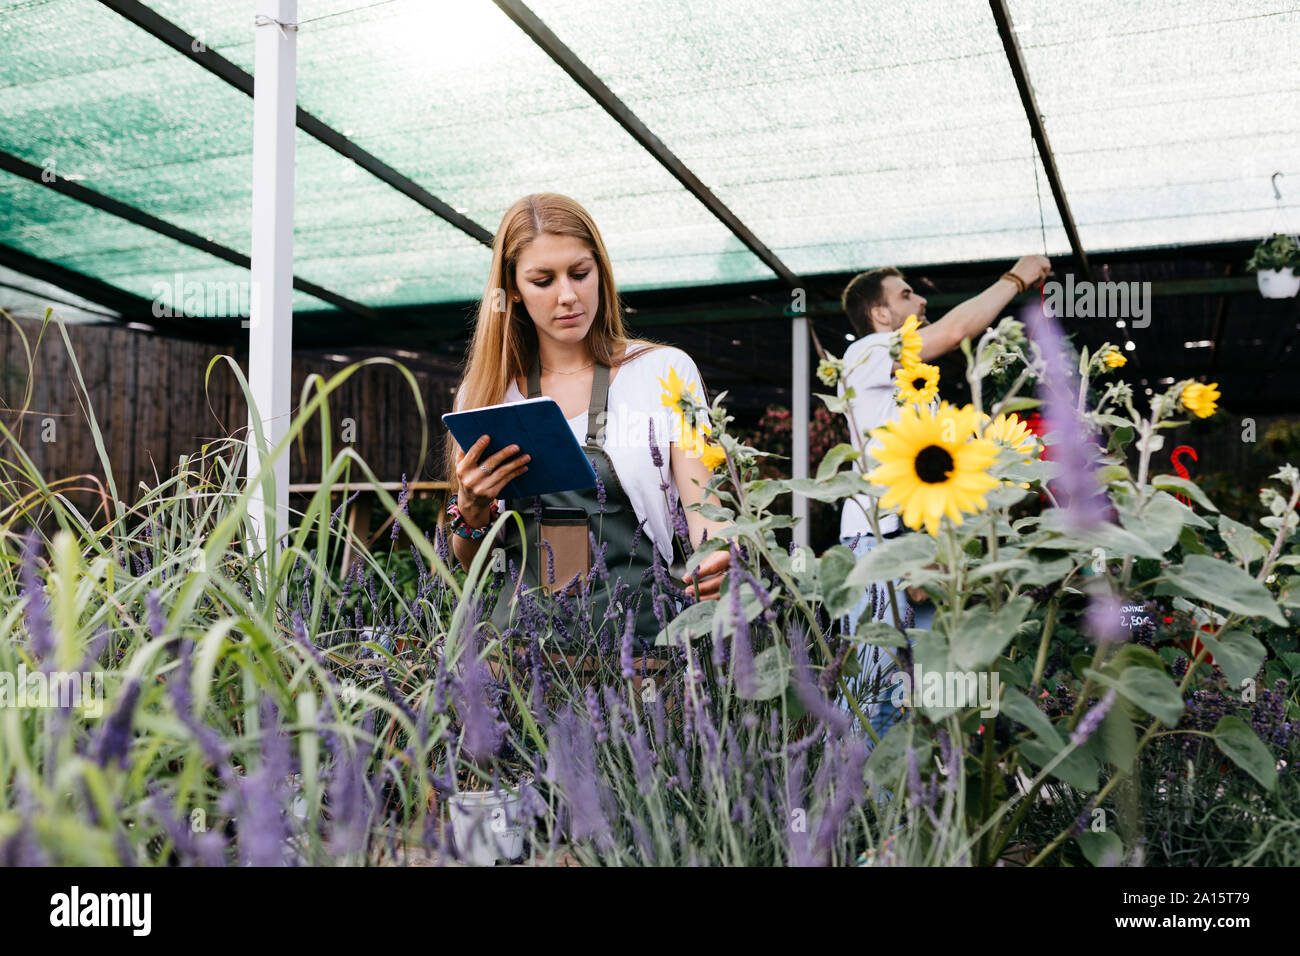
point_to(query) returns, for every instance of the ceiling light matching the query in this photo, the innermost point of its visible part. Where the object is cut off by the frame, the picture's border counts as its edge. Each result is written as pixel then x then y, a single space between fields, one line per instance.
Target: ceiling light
pixel 1129 346
pixel 1120 324
pixel 849 336
pixel 1199 344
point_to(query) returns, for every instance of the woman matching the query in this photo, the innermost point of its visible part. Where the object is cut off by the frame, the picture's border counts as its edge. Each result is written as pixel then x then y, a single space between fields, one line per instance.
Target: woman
pixel 550 325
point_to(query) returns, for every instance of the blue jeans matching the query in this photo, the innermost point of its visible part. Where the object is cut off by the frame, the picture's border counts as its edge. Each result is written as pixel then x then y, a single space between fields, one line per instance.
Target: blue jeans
pixel 872 687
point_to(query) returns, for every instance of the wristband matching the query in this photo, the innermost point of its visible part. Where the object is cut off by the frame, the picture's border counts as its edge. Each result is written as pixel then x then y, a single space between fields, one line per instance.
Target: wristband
pixel 1019 282
pixel 461 527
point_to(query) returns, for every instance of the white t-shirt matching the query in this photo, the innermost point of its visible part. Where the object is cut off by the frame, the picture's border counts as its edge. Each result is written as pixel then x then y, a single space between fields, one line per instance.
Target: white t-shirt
pixel 634 403
pixel 873 405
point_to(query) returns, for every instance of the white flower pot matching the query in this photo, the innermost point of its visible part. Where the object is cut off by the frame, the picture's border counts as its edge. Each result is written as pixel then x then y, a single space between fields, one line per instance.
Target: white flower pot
pixel 486 826
pixel 1278 283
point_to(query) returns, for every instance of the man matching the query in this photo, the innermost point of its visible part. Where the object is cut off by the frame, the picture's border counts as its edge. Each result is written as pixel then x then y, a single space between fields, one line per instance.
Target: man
pixel 877 304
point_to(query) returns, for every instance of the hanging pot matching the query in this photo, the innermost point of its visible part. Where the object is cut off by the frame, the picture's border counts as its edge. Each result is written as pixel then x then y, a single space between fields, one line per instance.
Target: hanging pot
pixel 1278 283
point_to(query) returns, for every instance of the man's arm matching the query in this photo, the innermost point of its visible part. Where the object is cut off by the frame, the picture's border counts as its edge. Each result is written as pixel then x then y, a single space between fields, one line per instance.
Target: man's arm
pixel 969 319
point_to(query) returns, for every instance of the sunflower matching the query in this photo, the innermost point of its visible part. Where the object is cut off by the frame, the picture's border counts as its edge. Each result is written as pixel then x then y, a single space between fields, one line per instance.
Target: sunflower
pixel 1200 399
pixel 682 400
pixel 917 384
pixel 906 347
pixel 1112 357
pixel 1010 431
pixel 933 465
pixel 712 456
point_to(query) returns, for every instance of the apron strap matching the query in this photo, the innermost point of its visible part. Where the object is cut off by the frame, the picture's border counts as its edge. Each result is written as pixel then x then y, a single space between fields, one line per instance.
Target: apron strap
pixel 599 402
pixel 599 395
pixel 535 377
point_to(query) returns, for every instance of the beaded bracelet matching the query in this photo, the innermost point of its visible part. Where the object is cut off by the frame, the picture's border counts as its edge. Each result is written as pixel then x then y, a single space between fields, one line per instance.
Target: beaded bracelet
pixel 461 527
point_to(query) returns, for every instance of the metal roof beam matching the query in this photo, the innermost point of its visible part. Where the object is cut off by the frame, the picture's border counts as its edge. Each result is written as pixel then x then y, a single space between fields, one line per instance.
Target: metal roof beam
pixel 19 167
pixel 581 74
pixel 169 33
pixel 1016 61
pixel 131 307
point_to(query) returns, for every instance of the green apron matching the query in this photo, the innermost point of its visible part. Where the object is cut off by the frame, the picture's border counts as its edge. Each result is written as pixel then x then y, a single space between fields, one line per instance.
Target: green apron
pixel 613 522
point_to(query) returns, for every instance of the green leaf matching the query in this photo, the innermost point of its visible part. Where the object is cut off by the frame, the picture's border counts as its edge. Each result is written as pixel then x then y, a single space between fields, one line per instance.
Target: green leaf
pixel 1224 585
pixel 1118 738
pixel 1247 751
pixel 835 404
pixel 1290 594
pixel 842 484
pixel 1153 691
pixel 1161 520
pixel 1245 543
pixel 833 567
pixel 1116 541
pixel 771 673
pixel 694 622
pixel 931 656
pixel 1237 654
pixel 888 760
pixel 1078 769
pixel 893 559
pixel 1024 711
pixel 1018 404
pixel 1102 848
pixel 878 634
pixel 761 493
pixel 1177 485
pixel 981 633
pixel 834 458
pixel 714 513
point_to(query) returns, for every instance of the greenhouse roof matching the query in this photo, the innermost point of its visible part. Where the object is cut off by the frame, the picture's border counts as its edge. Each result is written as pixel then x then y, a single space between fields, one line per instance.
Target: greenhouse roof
pixel 726 143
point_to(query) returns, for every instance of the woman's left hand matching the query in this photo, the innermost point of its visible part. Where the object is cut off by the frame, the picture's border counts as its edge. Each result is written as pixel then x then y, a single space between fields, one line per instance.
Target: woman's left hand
pixel 709 576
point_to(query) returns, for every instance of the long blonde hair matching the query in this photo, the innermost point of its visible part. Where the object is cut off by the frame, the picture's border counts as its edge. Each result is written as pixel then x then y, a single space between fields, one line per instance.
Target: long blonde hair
pixel 505 338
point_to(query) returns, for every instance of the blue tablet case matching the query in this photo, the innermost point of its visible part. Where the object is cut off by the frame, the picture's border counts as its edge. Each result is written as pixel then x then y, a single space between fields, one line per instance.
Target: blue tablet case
pixel 538 427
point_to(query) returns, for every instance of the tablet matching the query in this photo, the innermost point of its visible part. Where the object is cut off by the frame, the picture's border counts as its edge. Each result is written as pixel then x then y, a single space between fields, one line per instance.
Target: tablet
pixel 538 427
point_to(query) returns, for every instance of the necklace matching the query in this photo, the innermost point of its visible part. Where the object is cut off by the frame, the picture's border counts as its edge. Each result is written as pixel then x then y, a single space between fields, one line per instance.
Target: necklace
pixel 574 372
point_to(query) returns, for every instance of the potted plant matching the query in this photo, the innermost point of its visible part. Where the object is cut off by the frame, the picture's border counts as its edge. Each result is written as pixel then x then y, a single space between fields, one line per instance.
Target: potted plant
pixel 1275 263
pixel 487 825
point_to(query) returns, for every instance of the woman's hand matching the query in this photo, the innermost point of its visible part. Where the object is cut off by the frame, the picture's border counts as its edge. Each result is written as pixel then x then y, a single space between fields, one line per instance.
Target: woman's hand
pixel 481 481
pixel 705 582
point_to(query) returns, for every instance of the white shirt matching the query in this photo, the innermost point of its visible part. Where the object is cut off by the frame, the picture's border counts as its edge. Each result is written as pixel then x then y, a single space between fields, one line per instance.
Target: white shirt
pixel 873 405
pixel 634 403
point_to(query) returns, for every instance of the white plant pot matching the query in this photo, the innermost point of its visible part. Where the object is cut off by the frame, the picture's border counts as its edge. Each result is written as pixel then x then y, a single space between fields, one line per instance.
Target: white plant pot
pixel 486 826
pixel 1278 283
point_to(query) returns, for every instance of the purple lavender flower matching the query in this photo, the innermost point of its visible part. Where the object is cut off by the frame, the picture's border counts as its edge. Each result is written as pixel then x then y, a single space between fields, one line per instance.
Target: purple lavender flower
pixel 571 766
pixel 1102 619
pixel 625 659
pixel 807 690
pixel 600 490
pixel 848 760
pixel 115 736
pixel 38 608
pixel 1090 721
pixel 403 505
pixel 656 456
pixel 550 562
pixel 154 613
pixel 483 728
pixel 1077 480
pixel 348 799
pixel 596 715
pixel 741 650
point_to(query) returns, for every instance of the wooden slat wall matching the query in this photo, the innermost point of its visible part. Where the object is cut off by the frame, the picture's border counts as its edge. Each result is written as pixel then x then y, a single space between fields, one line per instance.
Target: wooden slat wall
pixel 148 396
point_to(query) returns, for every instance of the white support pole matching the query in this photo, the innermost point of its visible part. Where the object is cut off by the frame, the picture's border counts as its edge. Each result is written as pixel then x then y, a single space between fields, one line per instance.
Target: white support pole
pixel 270 336
pixel 801 394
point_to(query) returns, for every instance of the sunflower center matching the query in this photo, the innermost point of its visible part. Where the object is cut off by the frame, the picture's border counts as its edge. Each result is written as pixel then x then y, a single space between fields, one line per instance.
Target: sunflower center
pixel 918 383
pixel 933 464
